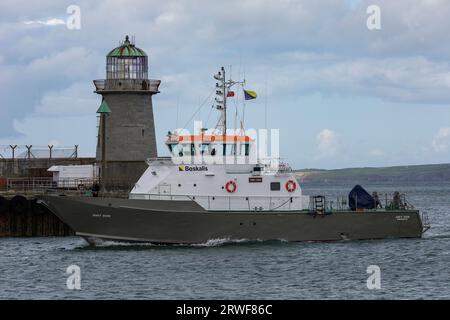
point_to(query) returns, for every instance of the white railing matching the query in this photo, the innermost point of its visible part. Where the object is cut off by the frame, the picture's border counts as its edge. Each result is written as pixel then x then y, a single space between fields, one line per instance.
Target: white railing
pixel 43 183
pixel 162 161
pixel 270 165
pixel 234 203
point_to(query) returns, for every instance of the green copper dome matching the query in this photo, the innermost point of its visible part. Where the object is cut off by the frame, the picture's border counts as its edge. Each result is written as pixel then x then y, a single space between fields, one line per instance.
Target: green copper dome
pixel 127 49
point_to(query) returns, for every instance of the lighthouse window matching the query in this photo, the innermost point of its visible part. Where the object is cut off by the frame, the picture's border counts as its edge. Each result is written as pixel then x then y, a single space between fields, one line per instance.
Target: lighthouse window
pixel 127 68
pixel 275 186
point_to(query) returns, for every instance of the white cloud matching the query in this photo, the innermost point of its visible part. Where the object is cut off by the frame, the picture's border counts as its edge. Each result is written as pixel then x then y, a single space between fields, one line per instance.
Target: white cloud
pixel 328 143
pixel 42 81
pixel 441 140
pixel 49 22
pixel 59 131
pixel 412 79
pixel 77 99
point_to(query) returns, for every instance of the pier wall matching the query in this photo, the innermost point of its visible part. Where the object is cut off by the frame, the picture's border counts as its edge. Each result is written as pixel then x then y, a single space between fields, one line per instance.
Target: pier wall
pixel 15 168
pixel 22 217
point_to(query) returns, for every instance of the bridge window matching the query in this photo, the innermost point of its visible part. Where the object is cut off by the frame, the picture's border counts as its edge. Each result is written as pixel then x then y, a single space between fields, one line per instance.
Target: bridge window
pixel 204 148
pixel 245 149
pixel 189 149
pixel 231 149
pixel 216 149
pixel 176 150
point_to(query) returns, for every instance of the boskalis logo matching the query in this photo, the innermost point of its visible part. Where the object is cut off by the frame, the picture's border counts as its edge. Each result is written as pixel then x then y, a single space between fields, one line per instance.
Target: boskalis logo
pixel 192 168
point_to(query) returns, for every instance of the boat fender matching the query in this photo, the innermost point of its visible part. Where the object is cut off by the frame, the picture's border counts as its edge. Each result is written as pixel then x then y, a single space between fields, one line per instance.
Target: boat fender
pixel 291 186
pixel 19 205
pixel 4 205
pixel 231 186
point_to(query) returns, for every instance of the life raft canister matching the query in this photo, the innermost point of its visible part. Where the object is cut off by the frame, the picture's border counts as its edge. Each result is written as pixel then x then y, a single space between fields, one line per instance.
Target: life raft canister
pixel 231 186
pixel 291 186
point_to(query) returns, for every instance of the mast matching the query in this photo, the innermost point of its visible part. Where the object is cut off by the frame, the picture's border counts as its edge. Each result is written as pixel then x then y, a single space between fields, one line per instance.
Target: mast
pixel 222 88
pixel 221 104
pixel 220 99
pixel 224 92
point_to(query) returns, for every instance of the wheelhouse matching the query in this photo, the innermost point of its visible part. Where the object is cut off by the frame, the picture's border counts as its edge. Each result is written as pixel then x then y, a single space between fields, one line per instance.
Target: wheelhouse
pixel 209 145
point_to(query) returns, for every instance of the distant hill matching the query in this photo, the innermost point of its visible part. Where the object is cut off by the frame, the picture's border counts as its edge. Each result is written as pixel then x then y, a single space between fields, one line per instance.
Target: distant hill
pixel 431 172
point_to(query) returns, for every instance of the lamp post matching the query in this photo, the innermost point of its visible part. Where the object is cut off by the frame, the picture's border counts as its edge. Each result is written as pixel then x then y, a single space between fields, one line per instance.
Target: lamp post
pixel 103 110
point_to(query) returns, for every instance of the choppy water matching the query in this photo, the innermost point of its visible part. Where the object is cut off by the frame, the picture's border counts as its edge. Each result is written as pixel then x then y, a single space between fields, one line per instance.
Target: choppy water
pixel 410 269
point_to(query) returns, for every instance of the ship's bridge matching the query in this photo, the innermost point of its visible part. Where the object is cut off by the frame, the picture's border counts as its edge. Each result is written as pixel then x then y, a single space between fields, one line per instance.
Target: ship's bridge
pixel 210 145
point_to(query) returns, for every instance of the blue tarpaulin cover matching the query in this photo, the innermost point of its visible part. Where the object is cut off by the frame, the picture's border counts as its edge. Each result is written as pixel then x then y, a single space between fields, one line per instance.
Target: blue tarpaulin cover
pixel 364 199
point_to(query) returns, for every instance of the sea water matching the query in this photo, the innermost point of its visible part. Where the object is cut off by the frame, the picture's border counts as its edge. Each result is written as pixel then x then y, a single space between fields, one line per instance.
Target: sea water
pixel 36 268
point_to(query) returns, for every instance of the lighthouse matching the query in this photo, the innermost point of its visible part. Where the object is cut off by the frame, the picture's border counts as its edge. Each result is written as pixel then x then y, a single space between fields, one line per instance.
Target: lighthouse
pixel 126 131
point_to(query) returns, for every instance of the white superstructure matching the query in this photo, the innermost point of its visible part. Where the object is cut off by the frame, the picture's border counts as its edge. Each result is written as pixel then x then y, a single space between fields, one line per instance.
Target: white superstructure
pixel 220 171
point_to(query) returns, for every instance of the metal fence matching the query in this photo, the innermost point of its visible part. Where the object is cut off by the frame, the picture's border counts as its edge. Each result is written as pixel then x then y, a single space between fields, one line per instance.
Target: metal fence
pixel 43 185
pixel 38 152
pixel 388 201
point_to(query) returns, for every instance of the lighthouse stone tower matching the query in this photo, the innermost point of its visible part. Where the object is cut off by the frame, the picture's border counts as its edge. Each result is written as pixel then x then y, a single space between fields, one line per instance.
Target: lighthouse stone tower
pixel 129 126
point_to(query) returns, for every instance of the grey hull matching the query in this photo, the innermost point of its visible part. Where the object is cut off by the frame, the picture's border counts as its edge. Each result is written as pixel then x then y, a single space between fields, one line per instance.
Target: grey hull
pixel 160 221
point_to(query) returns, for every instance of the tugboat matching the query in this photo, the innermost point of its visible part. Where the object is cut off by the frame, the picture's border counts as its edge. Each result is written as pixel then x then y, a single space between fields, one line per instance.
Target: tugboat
pixel 213 186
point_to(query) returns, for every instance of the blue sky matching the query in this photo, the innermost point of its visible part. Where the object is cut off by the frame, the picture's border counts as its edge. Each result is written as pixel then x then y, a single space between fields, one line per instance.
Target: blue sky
pixel 341 95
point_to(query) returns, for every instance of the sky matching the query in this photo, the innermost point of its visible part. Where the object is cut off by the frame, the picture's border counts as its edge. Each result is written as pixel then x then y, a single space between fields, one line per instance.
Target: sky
pixel 341 94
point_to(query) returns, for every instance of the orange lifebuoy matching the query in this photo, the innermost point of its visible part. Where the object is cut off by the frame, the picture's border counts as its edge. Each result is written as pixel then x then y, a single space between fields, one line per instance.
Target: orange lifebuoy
pixel 291 186
pixel 231 186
